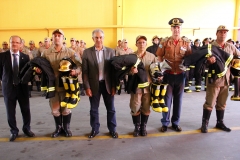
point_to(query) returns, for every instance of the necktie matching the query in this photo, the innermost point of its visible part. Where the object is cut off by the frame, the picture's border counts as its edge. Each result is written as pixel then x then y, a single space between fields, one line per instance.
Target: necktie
pixel 15 70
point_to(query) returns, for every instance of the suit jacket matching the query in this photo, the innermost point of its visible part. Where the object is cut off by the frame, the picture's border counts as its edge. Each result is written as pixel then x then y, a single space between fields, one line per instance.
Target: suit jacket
pixel 90 71
pixel 6 73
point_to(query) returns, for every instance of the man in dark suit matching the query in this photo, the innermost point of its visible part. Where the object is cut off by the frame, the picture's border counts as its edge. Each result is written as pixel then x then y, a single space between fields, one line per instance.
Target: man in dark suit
pixel 97 81
pixel 11 62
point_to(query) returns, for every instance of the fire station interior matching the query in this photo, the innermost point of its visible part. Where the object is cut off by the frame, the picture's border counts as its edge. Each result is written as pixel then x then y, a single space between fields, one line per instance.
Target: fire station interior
pixel 120 19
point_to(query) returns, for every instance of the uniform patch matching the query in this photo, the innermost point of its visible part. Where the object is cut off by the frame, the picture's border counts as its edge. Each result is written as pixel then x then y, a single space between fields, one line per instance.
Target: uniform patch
pixel 160 46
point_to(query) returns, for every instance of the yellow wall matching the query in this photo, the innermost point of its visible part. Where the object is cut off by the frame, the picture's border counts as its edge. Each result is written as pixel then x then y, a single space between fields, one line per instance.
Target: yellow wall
pixel 118 18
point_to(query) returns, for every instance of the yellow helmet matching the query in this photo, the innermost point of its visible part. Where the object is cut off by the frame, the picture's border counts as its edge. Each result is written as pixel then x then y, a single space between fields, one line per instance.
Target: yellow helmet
pixel 236 64
pixel 66 64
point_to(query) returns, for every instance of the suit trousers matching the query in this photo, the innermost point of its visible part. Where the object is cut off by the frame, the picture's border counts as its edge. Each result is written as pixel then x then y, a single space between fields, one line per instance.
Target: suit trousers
pixel 11 102
pixel 109 103
pixel 174 94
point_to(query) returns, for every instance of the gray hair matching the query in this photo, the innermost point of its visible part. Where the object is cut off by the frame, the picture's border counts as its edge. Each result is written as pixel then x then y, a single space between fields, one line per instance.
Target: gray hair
pixel 97 30
pixel 10 39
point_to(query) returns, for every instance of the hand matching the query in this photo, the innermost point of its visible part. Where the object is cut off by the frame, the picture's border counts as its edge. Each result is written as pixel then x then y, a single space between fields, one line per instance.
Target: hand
pixel 134 70
pixel 73 72
pixel 113 91
pixel 38 70
pixel 89 92
pixel 211 60
pixel 160 78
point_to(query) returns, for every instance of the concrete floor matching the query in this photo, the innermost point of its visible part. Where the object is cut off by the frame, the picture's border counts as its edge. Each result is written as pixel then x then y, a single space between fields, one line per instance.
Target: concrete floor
pixel 189 144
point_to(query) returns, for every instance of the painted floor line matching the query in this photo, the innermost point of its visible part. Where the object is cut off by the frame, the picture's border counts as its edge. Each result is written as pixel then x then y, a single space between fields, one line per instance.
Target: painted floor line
pixel 126 136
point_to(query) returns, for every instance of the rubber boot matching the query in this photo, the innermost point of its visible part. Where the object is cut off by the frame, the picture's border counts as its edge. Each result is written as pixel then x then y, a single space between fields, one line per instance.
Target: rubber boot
pixel 155 91
pixel 220 124
pixel 191 75
pixel 67 90
pixel 38 84
pixel 236 95
pixel 125 83
pixel 144 119
pixel 136 122
pixel 205 120
pixel 58 123
pixel 119 91
pixel 186 88
pixel 163 89
pixel 198 88
pixel 66 125
pixel 75 96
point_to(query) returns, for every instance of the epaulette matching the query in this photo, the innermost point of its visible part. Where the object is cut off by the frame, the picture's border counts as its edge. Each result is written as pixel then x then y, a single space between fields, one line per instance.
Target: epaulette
pixel 162 42
pixel 164 39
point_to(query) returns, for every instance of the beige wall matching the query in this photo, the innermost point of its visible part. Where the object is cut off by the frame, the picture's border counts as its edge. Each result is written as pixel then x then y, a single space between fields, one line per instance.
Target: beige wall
pixel 34 20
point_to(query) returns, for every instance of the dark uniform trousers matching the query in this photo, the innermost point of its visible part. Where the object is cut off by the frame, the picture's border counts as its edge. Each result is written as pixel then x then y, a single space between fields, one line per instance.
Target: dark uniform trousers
pixel 174 94
pixel 109 103
pixel 11 101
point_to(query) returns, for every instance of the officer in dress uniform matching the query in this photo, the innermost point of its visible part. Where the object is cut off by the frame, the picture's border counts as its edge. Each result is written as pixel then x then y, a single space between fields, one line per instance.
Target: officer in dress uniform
pixel 173 50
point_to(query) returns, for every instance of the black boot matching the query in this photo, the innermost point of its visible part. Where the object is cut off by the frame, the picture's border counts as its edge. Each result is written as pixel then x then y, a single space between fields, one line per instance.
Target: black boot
pixel 144 119
pixel 66 125
pixel 136 122
pixel 29 90
pixel 38 84
pixel 205 120
pixel 58 123
pixel 220 124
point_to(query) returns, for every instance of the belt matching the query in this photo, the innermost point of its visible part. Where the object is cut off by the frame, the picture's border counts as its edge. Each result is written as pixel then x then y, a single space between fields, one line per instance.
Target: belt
pixel 171 72
pixel 101 81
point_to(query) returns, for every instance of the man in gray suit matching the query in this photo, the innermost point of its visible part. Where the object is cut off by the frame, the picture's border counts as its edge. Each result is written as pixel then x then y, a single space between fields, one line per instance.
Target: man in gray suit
pixel 97 81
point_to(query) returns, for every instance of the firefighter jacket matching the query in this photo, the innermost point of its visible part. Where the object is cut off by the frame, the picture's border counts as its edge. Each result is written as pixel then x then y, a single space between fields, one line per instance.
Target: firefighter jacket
pixel 217 69
pixel 47 76
pixel 122 66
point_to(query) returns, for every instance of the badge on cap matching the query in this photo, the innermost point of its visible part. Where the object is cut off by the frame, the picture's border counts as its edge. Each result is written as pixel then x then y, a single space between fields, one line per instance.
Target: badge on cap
pixel 175 21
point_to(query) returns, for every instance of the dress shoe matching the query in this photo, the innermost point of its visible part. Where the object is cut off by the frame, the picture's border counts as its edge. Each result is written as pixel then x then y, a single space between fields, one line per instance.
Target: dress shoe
pixel 29 133
pixel 114 134
pixel 13 136
pixel 163 129
pixel 93 134
pixel 176 128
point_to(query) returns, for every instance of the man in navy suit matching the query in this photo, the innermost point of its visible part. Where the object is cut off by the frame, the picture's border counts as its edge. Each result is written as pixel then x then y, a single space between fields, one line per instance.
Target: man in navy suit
pixel 11 63
pixel 96 72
